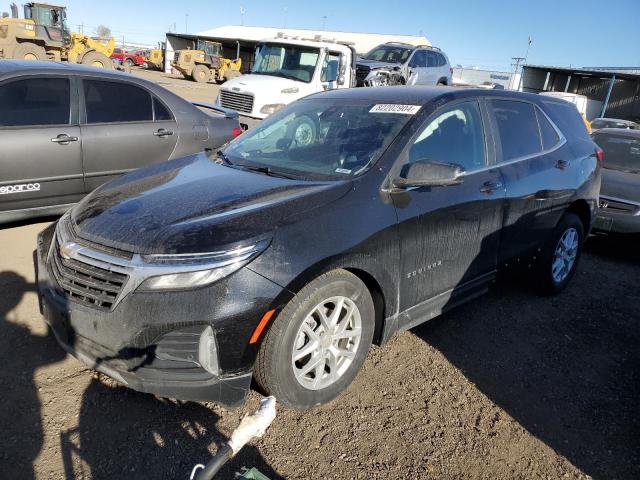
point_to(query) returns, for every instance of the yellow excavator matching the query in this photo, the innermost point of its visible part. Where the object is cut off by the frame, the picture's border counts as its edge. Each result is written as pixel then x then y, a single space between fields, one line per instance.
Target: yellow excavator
pixel 43 35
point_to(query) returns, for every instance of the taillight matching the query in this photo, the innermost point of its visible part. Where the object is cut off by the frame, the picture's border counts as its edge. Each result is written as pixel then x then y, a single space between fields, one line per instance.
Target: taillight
pixel 236 132
pixel 599 155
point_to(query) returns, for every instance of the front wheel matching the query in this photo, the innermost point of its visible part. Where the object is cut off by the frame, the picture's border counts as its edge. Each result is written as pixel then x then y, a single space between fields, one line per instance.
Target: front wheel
pixel 319 341
pixel 559 259
pixel 201 74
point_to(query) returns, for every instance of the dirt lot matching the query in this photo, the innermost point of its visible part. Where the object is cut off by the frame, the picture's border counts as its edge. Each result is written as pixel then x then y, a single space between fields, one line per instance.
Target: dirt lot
pixel 192 91
pixel 511 386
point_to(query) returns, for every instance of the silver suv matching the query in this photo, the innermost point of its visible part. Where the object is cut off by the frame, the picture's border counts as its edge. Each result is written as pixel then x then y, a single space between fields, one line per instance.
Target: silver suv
pixel 403 64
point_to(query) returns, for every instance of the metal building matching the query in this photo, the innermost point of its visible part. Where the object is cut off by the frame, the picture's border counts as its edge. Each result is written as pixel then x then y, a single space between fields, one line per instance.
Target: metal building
pixel 612 92
pixel 246 38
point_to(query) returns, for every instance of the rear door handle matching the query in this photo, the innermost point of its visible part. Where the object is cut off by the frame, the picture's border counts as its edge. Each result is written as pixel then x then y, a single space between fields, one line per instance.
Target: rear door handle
pixel 64 139
pixel 562 164
pixel 490 187
pixel 163 133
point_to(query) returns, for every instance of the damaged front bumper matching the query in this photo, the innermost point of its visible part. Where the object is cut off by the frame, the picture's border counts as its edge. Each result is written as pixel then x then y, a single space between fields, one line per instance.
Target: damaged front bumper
pixel 188 345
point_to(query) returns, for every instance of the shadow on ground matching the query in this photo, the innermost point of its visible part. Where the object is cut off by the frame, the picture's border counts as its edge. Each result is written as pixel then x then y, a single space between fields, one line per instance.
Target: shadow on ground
pixel 566 368
pixel 122 433
pixel 119 433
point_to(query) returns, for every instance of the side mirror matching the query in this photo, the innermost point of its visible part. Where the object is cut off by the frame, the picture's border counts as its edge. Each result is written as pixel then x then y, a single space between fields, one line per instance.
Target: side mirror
pixel 428 173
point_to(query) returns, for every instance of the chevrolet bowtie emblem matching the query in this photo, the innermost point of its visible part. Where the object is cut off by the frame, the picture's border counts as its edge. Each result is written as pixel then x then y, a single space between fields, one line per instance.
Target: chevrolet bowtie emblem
pixel 66 250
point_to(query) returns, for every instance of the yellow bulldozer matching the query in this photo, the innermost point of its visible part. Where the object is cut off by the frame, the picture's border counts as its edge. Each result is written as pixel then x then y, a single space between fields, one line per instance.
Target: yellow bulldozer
pixel 206 62
pixel 43 35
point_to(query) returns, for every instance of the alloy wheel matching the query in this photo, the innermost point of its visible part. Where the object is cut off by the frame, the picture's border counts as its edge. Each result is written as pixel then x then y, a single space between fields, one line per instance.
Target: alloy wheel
pixel 565 255
pixel 326 343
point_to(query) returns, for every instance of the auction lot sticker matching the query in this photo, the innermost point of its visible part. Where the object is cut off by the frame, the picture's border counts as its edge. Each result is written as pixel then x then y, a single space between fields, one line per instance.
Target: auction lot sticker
pixel 395 108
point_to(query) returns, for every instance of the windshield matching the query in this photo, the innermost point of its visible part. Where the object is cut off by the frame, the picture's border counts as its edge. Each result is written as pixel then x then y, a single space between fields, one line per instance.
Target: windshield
pixel 389 54
pixel 318 139
pixel 620 153
pixel 288 61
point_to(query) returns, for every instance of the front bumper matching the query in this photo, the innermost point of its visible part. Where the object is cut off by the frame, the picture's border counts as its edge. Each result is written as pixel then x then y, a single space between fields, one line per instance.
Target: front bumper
pixel 150 341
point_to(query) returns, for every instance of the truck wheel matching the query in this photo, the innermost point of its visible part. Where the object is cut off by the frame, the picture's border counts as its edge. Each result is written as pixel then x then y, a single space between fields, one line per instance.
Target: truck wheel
pixel 128 62
pixel 303 131
pixel 319 341
pixel 559 259
pixel 97 59
pixel 201 74
pixel 29 51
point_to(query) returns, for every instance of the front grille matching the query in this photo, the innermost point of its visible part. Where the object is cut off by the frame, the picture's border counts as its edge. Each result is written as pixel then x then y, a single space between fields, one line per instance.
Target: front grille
pixel 618 206
pixel 241 102
pixel 361 74
pixel 86 284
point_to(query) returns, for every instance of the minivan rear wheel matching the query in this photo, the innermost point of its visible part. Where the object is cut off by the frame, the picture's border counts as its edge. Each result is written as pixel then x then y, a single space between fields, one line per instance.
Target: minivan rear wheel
pixel 318 342
pixel 559 260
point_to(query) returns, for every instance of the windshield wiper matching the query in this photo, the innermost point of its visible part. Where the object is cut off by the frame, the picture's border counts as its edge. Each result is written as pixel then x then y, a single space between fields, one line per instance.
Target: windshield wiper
pixel 268 171
pixel 221 156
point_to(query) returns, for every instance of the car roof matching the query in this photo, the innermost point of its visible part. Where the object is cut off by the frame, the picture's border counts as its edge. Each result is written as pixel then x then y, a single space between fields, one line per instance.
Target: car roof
pixel 36 67
pixel 420 95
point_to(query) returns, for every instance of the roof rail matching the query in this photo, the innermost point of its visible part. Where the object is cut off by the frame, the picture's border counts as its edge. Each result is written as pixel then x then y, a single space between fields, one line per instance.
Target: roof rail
pixel 400 43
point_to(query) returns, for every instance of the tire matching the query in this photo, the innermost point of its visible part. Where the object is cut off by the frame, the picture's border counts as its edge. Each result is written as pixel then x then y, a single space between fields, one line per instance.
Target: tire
pixel 29 51
pixel 201 74
pixel 97 59
pixel 552 273
pixel 128 62
pixel 275 369
pixel 442 83
pixel 303 131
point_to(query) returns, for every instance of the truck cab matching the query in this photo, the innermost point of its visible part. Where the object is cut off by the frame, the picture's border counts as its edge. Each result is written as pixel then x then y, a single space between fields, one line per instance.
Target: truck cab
pixel 286 69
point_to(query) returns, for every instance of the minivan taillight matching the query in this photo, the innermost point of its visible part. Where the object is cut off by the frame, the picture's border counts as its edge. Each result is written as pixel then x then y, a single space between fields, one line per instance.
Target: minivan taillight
pixel 236 132
pixel 600 155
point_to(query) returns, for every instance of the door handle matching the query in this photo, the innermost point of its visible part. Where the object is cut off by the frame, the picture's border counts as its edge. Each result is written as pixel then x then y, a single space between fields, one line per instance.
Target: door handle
pixel 562 164
pixel 163 133
pixel 490 187
pixel 64 139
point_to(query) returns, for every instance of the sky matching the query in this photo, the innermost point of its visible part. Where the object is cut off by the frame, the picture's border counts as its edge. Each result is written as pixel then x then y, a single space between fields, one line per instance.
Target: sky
pixel 486 33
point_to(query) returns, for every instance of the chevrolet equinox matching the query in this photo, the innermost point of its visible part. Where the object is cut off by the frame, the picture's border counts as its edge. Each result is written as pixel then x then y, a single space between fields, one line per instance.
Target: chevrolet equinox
pixel 343 218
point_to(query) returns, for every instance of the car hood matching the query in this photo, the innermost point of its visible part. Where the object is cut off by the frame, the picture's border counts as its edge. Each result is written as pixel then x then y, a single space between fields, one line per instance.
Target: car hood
pixel 373 64
pixel 622 185
pixel 250 81
pixel 194 205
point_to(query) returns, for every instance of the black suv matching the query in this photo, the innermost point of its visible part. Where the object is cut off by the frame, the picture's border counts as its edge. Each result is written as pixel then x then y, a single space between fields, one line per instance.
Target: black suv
pixel 283 262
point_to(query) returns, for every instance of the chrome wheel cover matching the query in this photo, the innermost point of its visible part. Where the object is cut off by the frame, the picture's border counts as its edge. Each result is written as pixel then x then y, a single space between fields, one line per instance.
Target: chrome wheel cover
pixel 303 134
pixel 326 343
pixel 565 255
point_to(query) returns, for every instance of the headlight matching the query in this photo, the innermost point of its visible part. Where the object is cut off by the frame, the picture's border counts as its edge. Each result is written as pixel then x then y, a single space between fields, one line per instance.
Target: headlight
pixel 272 108
pixel 186 271
pixel 290 90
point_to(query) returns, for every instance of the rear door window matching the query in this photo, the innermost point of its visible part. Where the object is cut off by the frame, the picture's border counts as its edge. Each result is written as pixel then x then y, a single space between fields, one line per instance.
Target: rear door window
pixel 35 102
pixel 432 59
pixel 517 128
pixel 116 102
pixel 160 111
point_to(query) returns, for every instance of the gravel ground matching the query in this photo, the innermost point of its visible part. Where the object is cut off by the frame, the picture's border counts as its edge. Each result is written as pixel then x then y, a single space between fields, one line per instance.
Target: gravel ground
pixel 510 386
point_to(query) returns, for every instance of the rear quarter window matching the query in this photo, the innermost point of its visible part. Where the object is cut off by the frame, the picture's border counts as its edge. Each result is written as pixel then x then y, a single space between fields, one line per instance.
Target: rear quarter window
pixel 518 130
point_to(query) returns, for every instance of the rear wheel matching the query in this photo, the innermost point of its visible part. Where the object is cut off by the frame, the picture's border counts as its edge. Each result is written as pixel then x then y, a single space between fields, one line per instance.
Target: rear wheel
pixel 201 74
pixel 29 51
pixel 560 256
pixel 97 59
pixel 128 62
pixel 319 341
